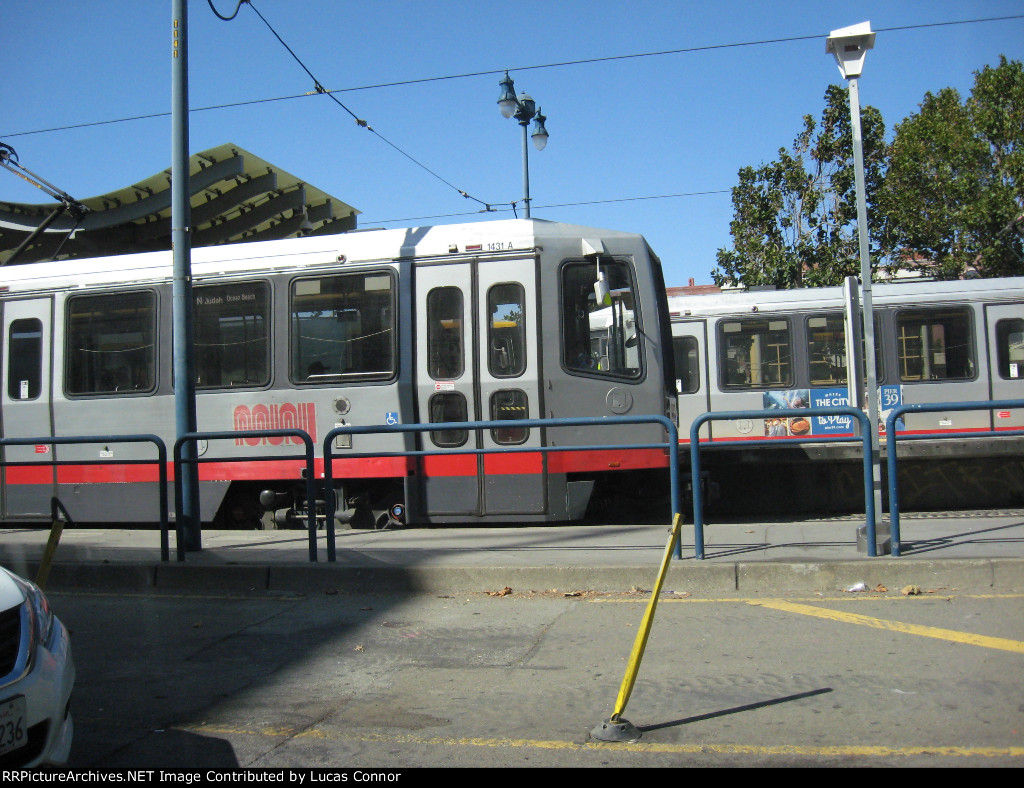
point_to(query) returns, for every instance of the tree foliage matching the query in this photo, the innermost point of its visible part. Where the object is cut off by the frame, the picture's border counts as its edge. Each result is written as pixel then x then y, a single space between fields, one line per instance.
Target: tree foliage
pixel 955 183
pixel 947 194
pixel 794 221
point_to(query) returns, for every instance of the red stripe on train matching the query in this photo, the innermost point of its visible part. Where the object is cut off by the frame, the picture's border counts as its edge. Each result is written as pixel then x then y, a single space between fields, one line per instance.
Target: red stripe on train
pixel 29 474
pixel 511 463
pixel 811 438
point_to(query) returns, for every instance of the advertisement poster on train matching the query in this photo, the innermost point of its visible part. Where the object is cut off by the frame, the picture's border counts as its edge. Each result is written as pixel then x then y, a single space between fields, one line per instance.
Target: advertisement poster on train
pixel 889 398
pixel 784 427
pixel 836 424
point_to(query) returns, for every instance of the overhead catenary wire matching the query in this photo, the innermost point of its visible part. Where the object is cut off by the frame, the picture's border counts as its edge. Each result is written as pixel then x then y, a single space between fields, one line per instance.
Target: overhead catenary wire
pixel 487 207
pixel 488 72
pixel 553 205
pixel 320 89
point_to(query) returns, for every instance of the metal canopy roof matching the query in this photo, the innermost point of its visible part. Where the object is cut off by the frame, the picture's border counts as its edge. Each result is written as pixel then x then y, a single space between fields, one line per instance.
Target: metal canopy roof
pixel 236 196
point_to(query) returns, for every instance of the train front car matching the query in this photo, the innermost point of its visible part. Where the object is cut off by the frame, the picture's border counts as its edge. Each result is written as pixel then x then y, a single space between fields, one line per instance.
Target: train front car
pixel 370 332
pixel 510 326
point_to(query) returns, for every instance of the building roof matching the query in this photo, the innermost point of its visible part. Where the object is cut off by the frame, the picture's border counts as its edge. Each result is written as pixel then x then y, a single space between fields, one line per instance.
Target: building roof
pixel 692 289
pixel 235 196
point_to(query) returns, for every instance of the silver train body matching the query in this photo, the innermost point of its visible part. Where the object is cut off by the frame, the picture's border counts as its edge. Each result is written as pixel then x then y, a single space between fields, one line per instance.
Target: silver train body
pixel 493 320
pixel 936 342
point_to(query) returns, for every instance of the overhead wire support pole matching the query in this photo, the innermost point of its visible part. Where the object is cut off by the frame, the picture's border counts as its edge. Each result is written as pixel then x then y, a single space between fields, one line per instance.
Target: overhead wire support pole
pixel 181 292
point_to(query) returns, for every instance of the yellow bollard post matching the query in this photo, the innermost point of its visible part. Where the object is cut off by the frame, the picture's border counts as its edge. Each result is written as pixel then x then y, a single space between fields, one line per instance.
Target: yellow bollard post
pixel 56 529
pixel 615 728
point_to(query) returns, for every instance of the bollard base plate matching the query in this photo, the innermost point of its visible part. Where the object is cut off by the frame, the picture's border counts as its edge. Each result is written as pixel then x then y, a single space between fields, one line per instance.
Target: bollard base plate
pixel 883 539
pixel 619 730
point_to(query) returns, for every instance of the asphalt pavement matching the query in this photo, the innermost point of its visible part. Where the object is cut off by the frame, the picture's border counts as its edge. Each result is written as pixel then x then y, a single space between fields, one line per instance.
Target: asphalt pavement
pixel 978 551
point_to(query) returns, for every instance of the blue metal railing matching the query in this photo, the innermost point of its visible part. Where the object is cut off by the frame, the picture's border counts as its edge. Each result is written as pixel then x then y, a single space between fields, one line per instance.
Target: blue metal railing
pixel 891 438
pixel 837 410
pixel 161 462
pixel 672 444
pixel 236 434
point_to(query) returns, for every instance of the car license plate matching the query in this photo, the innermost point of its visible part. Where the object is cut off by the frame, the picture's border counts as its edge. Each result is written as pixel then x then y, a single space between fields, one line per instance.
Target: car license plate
pixel 13 730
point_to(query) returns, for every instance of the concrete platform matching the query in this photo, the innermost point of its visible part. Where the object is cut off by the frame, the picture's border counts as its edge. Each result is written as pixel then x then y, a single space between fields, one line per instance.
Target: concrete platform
pixel 975 551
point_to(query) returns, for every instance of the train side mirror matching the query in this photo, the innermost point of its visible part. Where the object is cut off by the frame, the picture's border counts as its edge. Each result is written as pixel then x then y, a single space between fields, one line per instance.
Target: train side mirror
pixel 601 291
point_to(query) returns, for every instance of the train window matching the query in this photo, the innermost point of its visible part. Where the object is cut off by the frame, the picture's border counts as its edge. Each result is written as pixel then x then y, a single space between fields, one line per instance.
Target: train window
pixel 597 338
pixel 343 327
pixel 935 344
pixel 445 318
pixel 447 407
pixel 755 353
pixel 1010 348
pixel 687 360
pixel 232 337
pixel 110 344
pixel 509 404
pixel 506 330
pixel 25 359
pixel 826 350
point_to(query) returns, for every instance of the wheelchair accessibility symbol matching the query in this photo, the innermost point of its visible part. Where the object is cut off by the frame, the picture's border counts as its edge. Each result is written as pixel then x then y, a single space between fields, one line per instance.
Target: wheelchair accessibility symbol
pixel 391 418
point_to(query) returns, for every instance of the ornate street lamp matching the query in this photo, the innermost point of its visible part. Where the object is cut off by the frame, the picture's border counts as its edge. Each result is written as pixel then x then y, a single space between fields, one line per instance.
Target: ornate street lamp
pixel 523 109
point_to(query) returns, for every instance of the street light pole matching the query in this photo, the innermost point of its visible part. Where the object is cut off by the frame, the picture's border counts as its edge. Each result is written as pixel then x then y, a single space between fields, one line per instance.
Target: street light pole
pixel 849 45
pixel 523 109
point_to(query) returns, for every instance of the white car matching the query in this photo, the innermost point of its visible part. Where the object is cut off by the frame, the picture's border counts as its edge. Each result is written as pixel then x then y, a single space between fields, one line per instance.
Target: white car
pixel 36 677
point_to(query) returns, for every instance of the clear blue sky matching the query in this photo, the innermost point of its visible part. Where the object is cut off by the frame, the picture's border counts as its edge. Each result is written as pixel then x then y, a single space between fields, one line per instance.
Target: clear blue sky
pixel 621 130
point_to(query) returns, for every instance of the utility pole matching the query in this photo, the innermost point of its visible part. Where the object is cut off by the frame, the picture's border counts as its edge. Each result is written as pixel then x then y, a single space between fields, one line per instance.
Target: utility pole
pixel 187 516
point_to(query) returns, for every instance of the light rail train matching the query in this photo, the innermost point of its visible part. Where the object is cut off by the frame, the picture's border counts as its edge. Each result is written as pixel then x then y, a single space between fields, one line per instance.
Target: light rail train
pixel 486 321
pixel 505 320
pixel 935 342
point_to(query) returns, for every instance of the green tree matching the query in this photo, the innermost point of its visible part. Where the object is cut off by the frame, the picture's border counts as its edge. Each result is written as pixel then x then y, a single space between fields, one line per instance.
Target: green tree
pixel 794 219
pixel 953 197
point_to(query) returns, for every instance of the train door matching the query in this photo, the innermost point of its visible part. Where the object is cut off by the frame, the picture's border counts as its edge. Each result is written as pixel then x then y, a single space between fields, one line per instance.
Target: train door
pixel 477 360
pixel 689 347
pixel 1005 327
pixel 25 491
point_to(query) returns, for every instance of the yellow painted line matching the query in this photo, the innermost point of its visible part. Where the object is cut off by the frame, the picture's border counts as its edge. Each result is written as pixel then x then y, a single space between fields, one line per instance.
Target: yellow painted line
pixel 1003 644
pixel 858 597
pixel 256 596
pixel 554 744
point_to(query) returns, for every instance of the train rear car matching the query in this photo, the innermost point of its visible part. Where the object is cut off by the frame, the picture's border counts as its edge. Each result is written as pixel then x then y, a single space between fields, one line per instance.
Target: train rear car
pixel 936 342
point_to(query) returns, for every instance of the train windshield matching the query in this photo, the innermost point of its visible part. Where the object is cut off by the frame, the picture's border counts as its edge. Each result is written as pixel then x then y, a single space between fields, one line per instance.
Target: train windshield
pixel 600 338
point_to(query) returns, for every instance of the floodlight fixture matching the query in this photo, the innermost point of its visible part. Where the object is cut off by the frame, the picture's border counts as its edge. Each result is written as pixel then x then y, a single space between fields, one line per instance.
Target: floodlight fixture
pixel 849 45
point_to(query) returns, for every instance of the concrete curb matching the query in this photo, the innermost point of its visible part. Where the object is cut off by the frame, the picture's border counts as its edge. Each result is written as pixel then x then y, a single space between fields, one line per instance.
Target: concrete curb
pixel 1004 574
pixel 980 575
